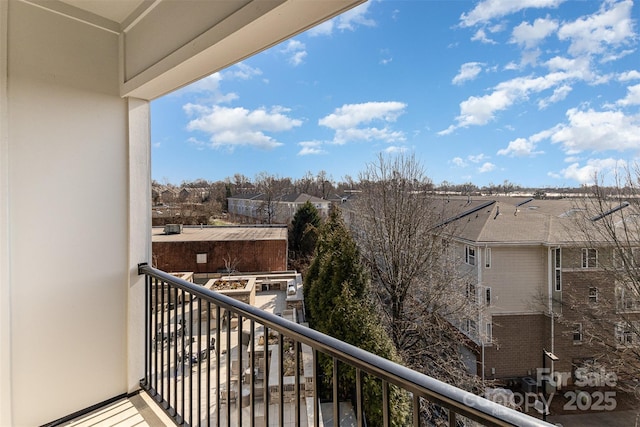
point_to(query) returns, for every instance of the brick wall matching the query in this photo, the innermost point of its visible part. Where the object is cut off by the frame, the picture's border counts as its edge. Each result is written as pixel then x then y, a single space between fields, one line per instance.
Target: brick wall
pixel 518 343
pixel 246 256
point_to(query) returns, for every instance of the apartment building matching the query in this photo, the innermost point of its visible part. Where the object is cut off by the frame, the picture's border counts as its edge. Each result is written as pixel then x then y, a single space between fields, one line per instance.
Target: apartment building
pixel 536 279
pixel 275 210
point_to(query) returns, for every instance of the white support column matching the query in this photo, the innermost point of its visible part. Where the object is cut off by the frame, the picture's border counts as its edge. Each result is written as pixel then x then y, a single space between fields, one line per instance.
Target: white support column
pixel 5 284
pixel 139 135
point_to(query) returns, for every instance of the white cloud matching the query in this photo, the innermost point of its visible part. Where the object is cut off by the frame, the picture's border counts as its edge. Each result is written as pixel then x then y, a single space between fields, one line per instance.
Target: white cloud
pixel 611 26
pixel 348 20
pixel 241 71
pixel 350 121
pixel 395 149
pixel 529 35
pixel 481 36
pixel 342 136
pixel 633 96
pixel 629 75
pixel 491 9
pixel 597 131
pixel 231 127
pixel 481 110
pixel 468 71
pixel 586 174
pixel 458 161
pixel 486 167
pixel 520 147
pixel 559 94
pixel 477 158
pixel 296 51
pixel 310 148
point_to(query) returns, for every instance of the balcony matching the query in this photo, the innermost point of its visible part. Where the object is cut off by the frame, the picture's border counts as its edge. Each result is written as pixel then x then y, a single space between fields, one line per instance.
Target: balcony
pixel 212 360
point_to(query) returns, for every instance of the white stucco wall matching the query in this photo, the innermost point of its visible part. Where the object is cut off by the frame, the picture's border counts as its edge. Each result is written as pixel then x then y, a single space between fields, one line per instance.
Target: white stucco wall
pixel 68 215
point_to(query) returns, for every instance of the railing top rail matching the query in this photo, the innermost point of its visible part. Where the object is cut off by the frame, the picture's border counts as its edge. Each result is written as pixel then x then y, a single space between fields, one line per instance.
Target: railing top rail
pixel 460 401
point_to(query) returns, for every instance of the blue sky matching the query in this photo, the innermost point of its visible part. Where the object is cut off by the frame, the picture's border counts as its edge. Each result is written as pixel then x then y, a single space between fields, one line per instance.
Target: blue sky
pixel 537 92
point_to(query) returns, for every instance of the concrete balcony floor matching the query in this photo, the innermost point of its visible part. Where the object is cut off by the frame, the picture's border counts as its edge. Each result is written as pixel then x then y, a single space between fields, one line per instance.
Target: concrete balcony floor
pixel 138 410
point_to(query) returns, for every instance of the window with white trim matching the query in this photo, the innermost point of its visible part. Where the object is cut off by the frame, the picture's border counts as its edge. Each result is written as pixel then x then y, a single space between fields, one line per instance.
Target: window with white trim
pixel 487 296
pixel 627 298
pixel 626 334
pixel 471 327
pixel 488 332
pixel 470 255
pixel 201 258
pixel 589 258
pixel 487 257
pixel 557 267
pixel 593 294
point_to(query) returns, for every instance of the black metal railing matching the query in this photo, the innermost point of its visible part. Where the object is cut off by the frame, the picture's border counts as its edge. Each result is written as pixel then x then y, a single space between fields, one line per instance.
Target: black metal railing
pixel 213 360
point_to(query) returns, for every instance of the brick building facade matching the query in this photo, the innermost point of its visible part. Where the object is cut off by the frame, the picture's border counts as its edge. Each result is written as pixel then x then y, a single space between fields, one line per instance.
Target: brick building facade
pixel 216 249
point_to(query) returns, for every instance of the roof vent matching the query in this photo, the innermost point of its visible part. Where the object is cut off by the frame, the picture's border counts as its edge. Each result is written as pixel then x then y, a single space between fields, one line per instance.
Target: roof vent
pixel 173 229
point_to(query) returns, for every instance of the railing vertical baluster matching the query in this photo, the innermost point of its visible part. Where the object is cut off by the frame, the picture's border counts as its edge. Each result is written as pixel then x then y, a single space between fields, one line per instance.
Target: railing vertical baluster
pixel 416 410
pixel 209 363
pixel 316 404
pixel 155 341
pixel 296 372
pixel 147 329
pixel 228 353
pixel 281 378
pixel 166 373
pixel 266 375
pixel 199 361
pixel 190 359
pixel 185 330
pixel 336 408
pixel 160 332
pixel 385 403
pixel 240 371
pixel 359 409
pixel 452 418
pixel 252 375
pixel 218 345
pixel 175 351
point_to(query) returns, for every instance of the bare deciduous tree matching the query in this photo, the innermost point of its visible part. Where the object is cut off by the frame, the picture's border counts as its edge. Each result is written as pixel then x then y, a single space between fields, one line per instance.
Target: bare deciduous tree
pixel 401 231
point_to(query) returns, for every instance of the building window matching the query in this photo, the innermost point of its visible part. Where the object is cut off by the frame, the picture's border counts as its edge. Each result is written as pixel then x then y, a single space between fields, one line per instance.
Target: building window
pixel 627 258
pixel 471 327
pixel 625 334
pixel 627 298
pixel 470 255
pixel 487 296
pixel 557 265
pixel 577 333
pixel 593 295
pixel 489 332
pixel 589 258
pixel 201 258
pixel 472 292
pixel 487 257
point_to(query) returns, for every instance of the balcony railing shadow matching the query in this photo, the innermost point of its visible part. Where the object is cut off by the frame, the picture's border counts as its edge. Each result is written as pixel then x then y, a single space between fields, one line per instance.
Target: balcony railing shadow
pixel 212 360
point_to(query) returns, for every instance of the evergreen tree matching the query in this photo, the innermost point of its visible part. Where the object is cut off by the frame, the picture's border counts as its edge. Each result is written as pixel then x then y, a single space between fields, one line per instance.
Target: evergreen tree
pixel 337 304
pixel 304 231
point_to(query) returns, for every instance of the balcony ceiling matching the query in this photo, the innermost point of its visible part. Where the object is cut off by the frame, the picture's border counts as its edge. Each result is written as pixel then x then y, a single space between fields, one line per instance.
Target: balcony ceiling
pixel 116 11
pixel 167 44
